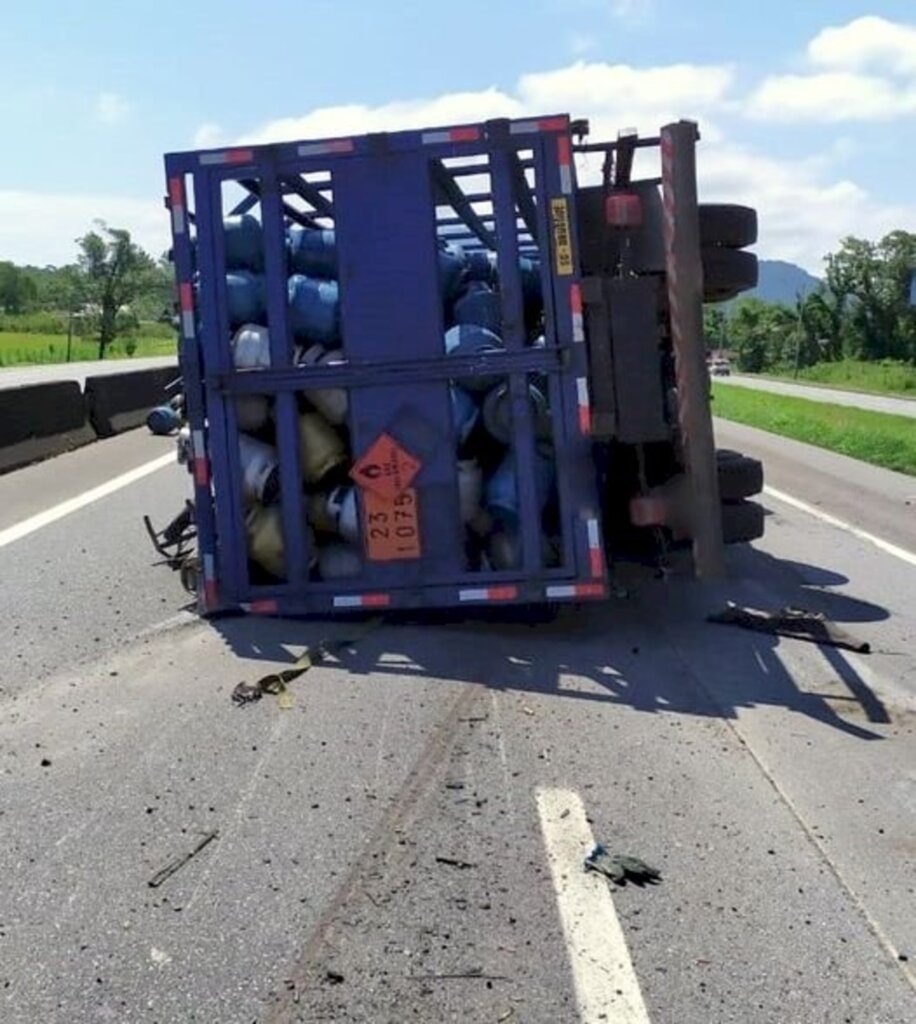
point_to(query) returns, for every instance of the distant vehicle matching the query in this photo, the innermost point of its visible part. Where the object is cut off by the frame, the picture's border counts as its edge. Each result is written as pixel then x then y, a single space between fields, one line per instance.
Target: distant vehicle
pixel 720 368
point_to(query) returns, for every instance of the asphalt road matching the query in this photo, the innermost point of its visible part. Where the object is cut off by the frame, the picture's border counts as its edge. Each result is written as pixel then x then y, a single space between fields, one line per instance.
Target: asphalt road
pixel 16 376
pixel 877 403
pixel 405 842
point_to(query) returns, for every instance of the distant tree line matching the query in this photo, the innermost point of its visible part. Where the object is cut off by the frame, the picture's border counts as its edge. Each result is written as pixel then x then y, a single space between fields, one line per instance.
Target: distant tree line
pixel 862 310
pixel 113 287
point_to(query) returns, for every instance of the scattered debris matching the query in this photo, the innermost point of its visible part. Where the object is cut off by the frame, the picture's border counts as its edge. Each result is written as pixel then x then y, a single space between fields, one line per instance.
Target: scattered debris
pixel 453 862
pixel 159 957
pixel 45 762
pixel 527 710
pixel 505 1016
pixel 173 541
pixel 796 623
pixel 179 862
pixel 276 682
pixel 621 868
pixel 333 977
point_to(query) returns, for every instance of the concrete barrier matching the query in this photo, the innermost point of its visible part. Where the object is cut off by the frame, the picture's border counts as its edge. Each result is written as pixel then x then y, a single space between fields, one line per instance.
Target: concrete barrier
pixel 40 420
pixel 121 401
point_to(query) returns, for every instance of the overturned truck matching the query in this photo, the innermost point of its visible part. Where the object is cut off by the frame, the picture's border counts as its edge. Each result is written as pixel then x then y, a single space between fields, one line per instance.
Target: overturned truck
pixel 434 369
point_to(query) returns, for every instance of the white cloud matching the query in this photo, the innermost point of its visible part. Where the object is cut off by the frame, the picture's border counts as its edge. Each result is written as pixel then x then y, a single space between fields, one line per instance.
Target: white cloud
pixel 41 228
pixel 831 97
pixel 868 42
pixel 208 136
pixel 110 108
pixel 864 70
pixel 802 213
pixel 618 93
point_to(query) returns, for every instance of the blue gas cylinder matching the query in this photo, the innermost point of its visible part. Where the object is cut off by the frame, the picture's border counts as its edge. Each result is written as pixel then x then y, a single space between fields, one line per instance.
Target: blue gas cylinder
pixel 452 266
pixel 312 251
pixel 244 242
pixel 464 413
pixel 481 266
pixel 501 492
pixel 163 420
pixel 245 297
pixel 471 340
pixel 532 295
pixel 480 305
pixel 314 309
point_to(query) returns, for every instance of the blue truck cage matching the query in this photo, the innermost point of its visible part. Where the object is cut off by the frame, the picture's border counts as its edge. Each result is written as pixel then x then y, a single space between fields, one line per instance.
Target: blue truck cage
pixel 392 231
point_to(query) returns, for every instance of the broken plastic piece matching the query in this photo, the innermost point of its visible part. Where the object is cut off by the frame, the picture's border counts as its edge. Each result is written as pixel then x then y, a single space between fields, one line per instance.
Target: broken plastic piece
pixel 620 868
pixel 796 623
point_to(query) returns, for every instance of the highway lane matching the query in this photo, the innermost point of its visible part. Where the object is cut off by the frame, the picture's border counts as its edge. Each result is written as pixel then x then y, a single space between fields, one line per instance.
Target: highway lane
pixel 857 399
pixel 16 376
pixel 382 855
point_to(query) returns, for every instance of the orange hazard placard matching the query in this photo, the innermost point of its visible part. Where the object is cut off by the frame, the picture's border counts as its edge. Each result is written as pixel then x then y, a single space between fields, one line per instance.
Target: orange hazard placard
pixel 392 528
pixel 386 469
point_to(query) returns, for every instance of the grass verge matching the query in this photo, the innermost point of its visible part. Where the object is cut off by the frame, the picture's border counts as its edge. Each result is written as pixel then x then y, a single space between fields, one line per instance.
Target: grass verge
pixel 19 349
pixel 875 437
pixel 886 377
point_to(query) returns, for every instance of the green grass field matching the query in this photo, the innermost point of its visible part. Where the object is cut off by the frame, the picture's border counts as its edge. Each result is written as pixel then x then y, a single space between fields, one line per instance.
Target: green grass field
pixel 881 378
pixel 883 440
pixel 22 349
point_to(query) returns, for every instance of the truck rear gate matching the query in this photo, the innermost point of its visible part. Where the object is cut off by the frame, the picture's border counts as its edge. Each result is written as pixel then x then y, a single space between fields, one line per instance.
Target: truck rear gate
pixel 394 202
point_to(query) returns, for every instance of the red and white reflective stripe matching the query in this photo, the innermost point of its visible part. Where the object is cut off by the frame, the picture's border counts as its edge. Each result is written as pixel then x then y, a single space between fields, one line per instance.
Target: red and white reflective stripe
pixel 585 406
pixel 227 156
pixel 577 590
pixel 265 606
pixel 545 124
pixel 322 148
pixel 186 302
pixel 176 205
pixel 362 601
pixel 211 592
pixel 471 133
pixel 201 463
pixel 575 302
pixel 595 550
pixel 508 593
pixel 564 155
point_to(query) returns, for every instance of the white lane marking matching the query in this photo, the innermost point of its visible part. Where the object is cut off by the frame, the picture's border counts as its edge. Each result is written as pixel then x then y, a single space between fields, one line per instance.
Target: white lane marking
pixel 65 508
pixel 606 985
pixel 884 545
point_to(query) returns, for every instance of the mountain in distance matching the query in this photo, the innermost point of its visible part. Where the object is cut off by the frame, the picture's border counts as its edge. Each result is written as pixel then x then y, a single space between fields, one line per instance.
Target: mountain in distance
pixel 782 282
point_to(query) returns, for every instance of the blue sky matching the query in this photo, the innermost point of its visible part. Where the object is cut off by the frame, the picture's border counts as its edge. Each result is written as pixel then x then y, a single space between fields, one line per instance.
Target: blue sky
pixel 807 107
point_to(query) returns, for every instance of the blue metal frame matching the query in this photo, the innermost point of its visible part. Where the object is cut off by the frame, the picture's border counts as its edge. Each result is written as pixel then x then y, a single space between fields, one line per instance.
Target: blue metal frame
pixel 382 199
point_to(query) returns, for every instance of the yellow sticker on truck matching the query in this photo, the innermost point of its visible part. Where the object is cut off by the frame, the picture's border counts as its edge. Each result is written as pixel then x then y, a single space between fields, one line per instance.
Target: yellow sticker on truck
pixel 562 241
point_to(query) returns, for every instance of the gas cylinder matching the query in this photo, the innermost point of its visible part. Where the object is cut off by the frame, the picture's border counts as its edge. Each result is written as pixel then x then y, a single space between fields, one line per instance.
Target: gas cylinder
pixel 244 242
pixel 470 488
pixel 312 251
pixel 480 305
pixel 251 347
pixel 464 413
pixel 264 530
pixel 344 510
pixel 332 403
pixel 321 449
pixel 497 413
pixel 501 492
pixel 163 420
pixel 314 309
pixel 452 266
pixel 245 298
pixel 471 340
pixel 260 470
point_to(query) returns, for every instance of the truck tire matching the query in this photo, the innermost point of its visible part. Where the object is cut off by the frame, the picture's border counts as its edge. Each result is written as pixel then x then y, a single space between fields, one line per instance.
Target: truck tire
pixel 727 273
pixel 740 476
pixel 727 225
pixel 742 521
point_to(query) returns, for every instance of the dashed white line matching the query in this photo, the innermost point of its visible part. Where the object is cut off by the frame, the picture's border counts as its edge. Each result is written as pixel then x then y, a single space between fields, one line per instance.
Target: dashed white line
pixel 883 545
pixel 607 989
pixel 66 508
